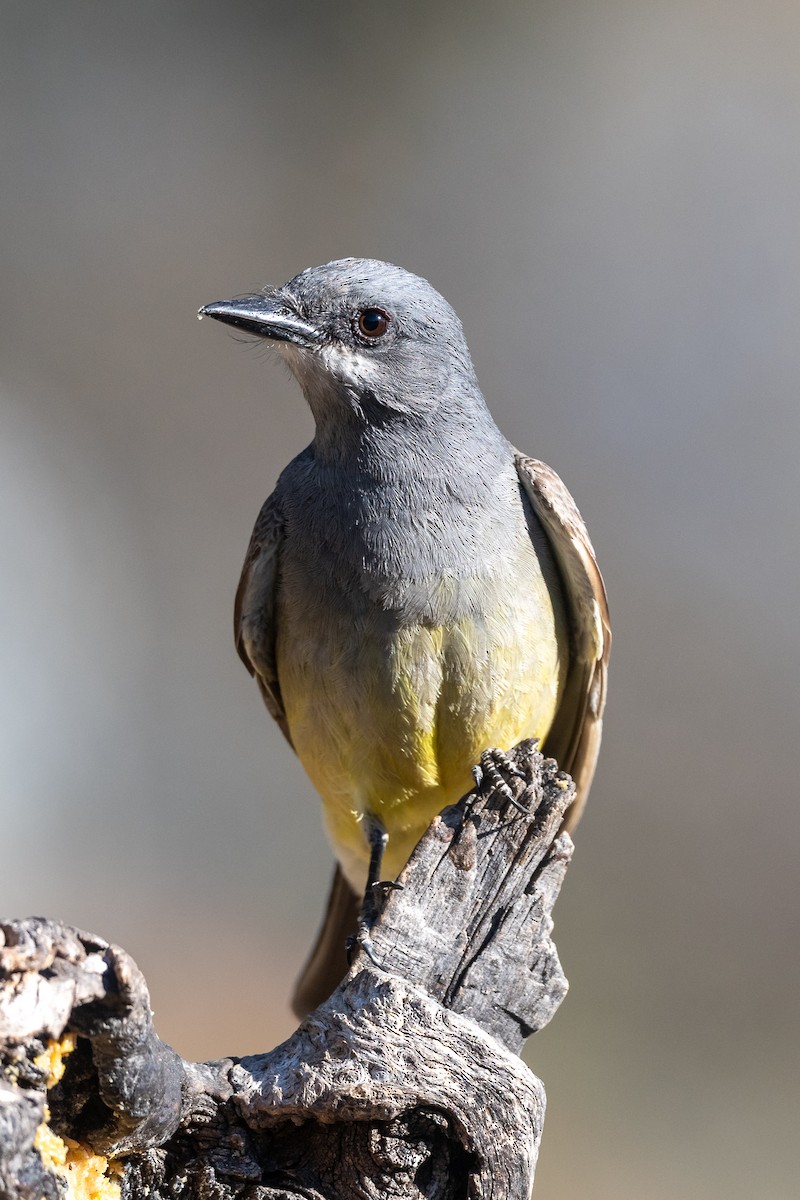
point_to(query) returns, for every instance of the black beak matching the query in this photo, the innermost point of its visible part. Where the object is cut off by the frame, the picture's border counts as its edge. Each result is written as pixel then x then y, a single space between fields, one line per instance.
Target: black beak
pixel 265 316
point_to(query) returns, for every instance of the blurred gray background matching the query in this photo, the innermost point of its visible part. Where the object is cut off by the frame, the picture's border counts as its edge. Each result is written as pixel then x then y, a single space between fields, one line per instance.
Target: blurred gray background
pixel 609 195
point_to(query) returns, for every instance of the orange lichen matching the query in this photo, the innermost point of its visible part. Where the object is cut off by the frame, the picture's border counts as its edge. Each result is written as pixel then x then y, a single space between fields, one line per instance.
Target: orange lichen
pixel 88 1176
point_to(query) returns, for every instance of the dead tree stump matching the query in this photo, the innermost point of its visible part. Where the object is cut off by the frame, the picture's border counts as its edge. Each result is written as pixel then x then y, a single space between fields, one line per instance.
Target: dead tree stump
pixel 405 1083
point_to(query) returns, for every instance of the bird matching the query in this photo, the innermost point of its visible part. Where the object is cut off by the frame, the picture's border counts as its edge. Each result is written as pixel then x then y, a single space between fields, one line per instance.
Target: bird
pixel 415 589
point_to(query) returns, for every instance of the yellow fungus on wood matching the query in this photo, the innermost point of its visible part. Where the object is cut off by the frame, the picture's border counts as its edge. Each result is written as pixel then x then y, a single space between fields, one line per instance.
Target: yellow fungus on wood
pixel 88 1176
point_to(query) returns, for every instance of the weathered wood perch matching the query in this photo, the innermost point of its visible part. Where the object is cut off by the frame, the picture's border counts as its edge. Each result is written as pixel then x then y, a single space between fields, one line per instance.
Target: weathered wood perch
pixel 405 1083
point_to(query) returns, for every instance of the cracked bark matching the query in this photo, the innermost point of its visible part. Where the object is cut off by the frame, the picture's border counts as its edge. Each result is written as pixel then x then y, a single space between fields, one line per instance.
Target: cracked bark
pixel 405 1083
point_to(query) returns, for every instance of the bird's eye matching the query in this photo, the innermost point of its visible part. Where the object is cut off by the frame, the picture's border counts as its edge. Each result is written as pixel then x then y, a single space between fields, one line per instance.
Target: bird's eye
pixel 373 322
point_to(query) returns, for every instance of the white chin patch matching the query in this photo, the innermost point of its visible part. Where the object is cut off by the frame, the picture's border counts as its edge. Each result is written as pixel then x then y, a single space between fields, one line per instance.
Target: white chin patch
pixel 339 362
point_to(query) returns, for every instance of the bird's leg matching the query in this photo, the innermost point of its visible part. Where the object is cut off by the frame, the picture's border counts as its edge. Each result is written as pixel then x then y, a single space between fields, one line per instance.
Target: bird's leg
pixel 377 837
pixel 493 763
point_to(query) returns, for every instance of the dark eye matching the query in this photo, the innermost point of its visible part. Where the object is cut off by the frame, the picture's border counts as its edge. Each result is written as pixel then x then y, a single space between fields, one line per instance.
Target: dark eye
pixel 373 322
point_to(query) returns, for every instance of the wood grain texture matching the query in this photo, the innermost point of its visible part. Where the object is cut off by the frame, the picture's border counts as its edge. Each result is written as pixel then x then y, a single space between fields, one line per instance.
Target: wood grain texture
pixel 404 1083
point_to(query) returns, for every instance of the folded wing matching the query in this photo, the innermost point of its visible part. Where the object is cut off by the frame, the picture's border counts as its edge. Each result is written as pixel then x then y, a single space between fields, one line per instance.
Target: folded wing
pixel 574 737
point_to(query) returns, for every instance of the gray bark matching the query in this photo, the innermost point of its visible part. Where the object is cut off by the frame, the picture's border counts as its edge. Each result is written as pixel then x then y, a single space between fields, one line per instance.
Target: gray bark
pixel 405 1083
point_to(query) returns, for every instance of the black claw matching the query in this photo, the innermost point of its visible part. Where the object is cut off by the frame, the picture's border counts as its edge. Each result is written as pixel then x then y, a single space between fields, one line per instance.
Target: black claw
pixel 361 941
pixel 365 942
pixel 388 885
pixel 517 804
pixel 492 763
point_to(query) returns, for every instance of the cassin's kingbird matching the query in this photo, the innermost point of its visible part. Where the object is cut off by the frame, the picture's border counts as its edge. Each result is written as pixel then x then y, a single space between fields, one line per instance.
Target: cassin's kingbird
pixel 415 590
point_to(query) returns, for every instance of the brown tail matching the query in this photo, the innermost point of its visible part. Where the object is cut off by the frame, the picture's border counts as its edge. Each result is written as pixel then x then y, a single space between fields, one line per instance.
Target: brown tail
pixel 327 962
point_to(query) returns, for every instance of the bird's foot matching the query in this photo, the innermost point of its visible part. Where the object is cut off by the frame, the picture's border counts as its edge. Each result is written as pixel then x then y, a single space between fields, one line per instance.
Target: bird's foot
pixel 362 941
pixel 384 886
pixel 488 776
pixel 372 906
pixel 375 894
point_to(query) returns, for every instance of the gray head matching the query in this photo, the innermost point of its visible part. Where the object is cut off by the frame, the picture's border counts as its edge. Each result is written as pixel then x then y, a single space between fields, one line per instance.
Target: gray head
pixel 366 340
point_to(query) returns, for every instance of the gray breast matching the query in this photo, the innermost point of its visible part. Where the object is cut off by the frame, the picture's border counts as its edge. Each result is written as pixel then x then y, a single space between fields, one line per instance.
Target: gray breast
pixel 418 549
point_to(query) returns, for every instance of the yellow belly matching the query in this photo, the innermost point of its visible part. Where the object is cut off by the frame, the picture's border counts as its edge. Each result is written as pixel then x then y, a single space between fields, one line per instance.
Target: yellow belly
pixel 392 724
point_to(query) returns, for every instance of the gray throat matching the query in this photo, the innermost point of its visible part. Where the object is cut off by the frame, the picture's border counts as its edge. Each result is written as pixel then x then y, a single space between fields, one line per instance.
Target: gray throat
pixel 403 510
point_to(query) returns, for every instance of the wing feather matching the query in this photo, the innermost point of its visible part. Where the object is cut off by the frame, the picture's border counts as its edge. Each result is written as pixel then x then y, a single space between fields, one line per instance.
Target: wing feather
pixel 254 608
pixel 574 738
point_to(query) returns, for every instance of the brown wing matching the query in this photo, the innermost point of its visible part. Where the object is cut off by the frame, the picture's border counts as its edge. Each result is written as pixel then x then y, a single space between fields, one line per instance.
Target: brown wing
pixel 254 629
pixel 254 609
pixel 574 738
